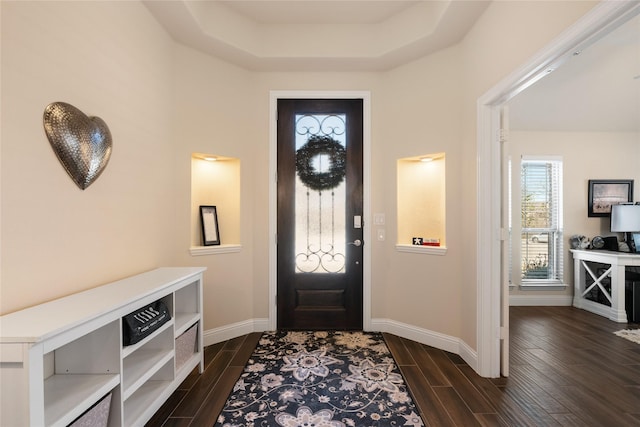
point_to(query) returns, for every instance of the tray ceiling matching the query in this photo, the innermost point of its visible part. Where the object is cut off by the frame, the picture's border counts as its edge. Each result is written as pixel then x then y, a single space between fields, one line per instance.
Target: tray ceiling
pixel 308 35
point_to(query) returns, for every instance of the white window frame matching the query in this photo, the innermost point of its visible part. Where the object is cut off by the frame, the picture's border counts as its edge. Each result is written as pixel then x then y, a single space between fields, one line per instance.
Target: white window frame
pixel 555 232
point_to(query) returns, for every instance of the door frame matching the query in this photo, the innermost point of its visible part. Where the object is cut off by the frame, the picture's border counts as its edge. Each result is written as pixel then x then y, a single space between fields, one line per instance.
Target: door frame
pixel 600 20
pixel 273 193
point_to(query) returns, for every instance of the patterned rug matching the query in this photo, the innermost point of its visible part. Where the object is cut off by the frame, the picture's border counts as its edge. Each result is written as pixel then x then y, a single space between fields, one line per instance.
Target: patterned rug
pixel 630 334
pixel 321 379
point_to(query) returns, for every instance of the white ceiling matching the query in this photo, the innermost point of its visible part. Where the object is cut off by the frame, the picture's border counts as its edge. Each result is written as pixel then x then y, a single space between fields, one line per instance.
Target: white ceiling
pixel 597 90
pixel 318 12
pixel 311 35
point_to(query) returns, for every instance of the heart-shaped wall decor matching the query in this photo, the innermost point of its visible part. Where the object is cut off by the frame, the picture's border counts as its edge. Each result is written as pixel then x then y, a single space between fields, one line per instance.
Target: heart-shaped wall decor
pixel 82 143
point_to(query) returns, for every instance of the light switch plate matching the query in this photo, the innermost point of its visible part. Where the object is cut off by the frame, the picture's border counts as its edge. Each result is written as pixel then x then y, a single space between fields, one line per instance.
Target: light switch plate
pixel 378 219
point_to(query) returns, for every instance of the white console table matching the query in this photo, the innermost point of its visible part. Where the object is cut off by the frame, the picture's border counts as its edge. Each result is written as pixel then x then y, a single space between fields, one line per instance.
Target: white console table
pixel 59 358
pixel 617 263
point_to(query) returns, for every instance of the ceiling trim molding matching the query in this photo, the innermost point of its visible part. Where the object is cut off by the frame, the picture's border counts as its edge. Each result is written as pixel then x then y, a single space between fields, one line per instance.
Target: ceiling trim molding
pixel 404 36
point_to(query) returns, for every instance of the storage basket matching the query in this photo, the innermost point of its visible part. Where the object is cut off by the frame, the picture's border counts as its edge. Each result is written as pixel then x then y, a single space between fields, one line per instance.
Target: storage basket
pixel 96 416
pixel 186 345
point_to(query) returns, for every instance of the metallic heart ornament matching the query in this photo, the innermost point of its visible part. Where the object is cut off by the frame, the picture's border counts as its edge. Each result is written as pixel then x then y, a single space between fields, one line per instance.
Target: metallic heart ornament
pixel 82 144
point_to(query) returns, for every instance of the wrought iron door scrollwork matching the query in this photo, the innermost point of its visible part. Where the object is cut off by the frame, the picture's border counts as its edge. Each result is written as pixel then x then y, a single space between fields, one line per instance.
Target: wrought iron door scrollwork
pixel 321 168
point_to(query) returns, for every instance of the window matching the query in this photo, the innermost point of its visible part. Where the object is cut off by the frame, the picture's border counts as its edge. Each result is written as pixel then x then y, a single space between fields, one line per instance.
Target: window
pixel 541 253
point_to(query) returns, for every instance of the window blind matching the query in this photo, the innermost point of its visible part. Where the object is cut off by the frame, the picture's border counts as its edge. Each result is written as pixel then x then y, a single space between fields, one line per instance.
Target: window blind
pixel 541 219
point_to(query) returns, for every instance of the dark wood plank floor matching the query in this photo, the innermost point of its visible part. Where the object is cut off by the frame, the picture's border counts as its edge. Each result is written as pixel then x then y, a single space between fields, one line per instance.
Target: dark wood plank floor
pixel 567 369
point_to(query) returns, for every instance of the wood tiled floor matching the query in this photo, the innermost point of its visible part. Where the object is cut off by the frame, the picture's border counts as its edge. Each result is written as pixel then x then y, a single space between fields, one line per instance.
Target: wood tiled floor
pixel 567 369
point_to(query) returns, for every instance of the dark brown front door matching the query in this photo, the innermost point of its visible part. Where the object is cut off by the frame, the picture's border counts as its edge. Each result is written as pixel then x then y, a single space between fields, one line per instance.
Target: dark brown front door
pixel 320 223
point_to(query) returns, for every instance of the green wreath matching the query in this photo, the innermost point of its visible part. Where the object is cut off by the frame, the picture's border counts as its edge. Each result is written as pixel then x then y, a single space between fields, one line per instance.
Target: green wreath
pixel 317 145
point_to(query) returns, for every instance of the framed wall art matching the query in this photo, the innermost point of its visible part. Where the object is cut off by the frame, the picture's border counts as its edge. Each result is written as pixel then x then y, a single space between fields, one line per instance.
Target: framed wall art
pixel 209 221
pixel 606 192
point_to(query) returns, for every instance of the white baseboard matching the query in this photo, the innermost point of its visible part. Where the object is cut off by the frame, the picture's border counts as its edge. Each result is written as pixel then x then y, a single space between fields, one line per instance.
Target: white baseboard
pixel 414 333
pixel 594 307
pixel 541 300
pixel 227 332
pixel 427 337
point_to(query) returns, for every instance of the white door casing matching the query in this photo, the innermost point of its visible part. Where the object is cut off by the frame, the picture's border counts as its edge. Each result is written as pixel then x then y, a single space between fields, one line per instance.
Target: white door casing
pixel 599 21
pixel 366 160
pixel 505 241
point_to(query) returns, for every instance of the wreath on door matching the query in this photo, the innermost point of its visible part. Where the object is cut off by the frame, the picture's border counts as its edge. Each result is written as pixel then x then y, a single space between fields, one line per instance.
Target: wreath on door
pixel 321 145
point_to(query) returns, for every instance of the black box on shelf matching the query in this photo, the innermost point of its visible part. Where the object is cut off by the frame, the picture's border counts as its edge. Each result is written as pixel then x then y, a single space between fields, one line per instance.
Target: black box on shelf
pixel 143 322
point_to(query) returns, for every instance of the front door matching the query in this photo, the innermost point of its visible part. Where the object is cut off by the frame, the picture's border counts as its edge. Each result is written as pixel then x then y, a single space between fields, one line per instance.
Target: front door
pixel 320 226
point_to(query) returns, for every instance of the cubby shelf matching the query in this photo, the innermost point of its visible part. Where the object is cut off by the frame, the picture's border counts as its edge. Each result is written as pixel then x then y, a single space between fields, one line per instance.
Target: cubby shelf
pixel 126 351
pixel 66 397
pixel 143 403
pixel 184 321
pixel 64 356
pixel 141 366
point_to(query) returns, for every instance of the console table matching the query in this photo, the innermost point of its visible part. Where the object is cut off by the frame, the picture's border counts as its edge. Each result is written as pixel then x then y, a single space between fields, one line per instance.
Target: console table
pixel 59 359
pixel 616 263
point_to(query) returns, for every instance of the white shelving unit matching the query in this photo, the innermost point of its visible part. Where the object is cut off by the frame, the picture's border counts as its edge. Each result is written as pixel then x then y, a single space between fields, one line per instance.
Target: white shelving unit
pixel 60 358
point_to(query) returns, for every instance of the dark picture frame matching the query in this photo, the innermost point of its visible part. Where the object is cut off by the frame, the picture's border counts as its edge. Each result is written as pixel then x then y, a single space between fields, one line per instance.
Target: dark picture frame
pixel 606 192
pixel 209 222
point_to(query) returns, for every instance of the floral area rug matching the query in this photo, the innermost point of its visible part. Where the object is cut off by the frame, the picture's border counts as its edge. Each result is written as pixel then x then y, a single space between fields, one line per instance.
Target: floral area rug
pixel 630 334
pixel 321 379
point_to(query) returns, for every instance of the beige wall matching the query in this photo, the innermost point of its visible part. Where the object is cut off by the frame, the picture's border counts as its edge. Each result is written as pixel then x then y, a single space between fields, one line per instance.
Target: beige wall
pixel 585 155
pixel 112 61
pixel 214 112
pixel 507 36
pixel 163 102
pixel 420 107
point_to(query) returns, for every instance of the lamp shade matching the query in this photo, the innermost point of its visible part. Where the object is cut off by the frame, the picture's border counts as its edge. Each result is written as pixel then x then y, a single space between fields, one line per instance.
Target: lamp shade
pixel 625 218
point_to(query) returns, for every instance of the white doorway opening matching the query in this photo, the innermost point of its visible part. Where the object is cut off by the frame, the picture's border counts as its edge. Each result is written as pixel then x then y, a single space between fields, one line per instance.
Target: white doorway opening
pixel 602 19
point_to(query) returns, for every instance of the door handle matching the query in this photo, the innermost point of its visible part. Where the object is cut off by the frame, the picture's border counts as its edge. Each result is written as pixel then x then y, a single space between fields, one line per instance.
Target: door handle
pixel 356 242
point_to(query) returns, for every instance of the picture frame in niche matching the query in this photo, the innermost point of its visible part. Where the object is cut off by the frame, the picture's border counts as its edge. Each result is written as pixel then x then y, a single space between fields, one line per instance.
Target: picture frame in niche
pixel 209 222
pixel 606 192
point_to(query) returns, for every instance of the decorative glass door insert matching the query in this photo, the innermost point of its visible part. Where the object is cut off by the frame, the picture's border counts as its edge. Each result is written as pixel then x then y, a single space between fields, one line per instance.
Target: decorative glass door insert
pixel 320 191
pixel 320 198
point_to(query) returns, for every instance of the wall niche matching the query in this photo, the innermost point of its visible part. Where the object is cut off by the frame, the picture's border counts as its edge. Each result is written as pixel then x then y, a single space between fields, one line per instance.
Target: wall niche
pixel 215 181
pixel 422 204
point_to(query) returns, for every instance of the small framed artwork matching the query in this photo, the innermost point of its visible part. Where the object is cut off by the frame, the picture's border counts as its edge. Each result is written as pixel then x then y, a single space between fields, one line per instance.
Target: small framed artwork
pixel 606 192
pixel 209 221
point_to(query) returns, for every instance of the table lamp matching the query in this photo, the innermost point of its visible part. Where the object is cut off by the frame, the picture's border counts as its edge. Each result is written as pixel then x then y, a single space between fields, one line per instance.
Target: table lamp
pixel 625 219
